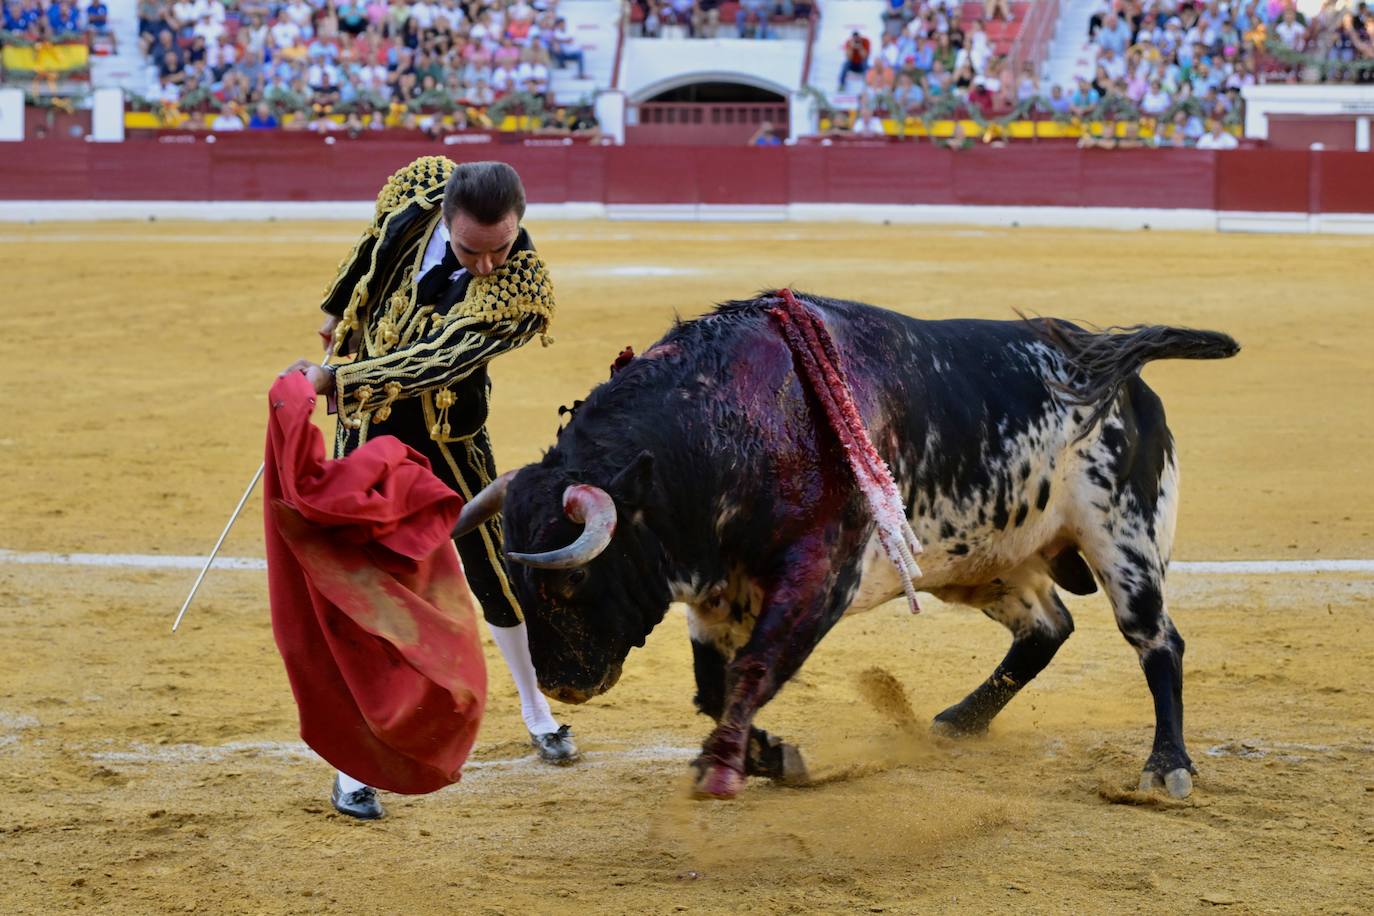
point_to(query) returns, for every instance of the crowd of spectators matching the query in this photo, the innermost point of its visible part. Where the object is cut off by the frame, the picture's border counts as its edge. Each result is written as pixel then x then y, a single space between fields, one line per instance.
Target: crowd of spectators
pixel 36 20
pixel 357 64
pixel 1164 58
pixel 927 54
pixel 704 18
pixel 1172 67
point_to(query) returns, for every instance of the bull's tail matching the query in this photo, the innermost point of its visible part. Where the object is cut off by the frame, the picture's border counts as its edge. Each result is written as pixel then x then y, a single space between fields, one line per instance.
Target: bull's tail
pixel 1101 361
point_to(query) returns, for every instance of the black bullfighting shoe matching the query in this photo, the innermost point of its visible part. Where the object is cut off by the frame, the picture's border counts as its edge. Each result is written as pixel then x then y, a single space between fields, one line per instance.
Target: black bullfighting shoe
pixel 558 747
pixel 360 803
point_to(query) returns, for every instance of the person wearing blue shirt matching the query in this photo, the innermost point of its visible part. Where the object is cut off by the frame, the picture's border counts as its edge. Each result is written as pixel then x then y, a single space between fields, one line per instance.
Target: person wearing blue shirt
pixel 14 18
pixel 63 18
pixel 98 16
pixel 263 119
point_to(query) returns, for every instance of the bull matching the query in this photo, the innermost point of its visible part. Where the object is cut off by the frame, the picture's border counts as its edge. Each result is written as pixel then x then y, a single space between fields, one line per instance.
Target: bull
pixel 1028 454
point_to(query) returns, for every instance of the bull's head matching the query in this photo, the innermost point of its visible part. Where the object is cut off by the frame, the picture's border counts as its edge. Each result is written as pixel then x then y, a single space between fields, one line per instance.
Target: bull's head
pixel 588 571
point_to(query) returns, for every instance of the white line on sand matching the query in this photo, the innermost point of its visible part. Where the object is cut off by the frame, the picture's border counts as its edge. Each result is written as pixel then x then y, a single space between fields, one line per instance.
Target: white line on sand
pixel 161 561
pixel 140 753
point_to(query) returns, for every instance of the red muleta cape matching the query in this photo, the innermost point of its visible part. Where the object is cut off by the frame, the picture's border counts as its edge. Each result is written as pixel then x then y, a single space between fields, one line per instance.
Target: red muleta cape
pixel 370 609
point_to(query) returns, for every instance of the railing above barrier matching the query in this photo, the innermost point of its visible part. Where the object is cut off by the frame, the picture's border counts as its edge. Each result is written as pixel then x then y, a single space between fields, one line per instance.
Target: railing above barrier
pixel 700 123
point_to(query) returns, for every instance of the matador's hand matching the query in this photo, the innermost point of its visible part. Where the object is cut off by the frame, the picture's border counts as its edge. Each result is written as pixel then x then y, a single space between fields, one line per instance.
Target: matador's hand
pixel 321 379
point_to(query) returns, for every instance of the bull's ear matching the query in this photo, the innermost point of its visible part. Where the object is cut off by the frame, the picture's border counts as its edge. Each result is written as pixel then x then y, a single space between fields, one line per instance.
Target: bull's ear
pixel 636 481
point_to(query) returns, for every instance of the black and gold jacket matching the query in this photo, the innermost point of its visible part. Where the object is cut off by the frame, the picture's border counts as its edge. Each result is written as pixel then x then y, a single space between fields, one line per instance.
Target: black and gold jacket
pixel 420 352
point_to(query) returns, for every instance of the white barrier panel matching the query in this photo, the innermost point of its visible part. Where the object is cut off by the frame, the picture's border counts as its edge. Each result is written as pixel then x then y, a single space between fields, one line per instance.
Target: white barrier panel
pixel 107 116
pixel 11 114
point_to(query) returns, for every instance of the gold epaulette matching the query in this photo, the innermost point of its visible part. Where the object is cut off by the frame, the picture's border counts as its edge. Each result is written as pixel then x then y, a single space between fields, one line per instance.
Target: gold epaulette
pixel 395 232
pixel 418 180
pixel 520 287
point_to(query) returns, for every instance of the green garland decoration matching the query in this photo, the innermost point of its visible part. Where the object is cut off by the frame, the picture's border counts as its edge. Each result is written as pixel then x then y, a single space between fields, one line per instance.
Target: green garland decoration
pixel 20 40
pixel 1323 65
pixel 523 103
pixel 433 100
pixel 284 101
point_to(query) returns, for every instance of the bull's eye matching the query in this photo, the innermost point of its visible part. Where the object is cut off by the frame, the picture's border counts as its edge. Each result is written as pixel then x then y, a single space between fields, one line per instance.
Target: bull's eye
pixel 574 578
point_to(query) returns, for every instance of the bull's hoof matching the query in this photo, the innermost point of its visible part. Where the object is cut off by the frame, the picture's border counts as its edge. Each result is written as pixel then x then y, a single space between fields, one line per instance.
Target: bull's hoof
pixel 793 768
pixel 955 723
pixel 716 780
pixel 1178 783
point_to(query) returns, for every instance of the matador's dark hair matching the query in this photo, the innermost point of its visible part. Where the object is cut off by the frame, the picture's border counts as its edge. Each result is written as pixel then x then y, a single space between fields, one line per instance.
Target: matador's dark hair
pixel 485 191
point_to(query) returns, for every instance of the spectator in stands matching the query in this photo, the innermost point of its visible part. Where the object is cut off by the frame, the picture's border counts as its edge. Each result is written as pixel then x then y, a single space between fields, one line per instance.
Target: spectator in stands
pixel 866 123
pixel 908 95
pixel 977 48
pixel 1115 34
pixel 63 19
pixel 765 136
pixel 227 120
pixel 980 97
pixel 1216 137
pixel 938 81
pixel 880 79
pixel 1155 101
pixel 997 8
pixel 856 50
pixel 263 119
pixel 1060 105
pixel 14 19
pixel 98 17
pixel 564 48
pixel 959 139
pixel 1028 86
pixel 1084 100
pixel 751 21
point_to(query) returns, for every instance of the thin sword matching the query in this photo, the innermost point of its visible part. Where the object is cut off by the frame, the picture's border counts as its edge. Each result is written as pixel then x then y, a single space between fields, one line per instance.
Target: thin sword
pixel 209 561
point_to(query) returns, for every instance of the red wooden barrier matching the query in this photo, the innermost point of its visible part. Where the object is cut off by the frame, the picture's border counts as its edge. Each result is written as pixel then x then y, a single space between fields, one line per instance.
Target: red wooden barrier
pixel 297 167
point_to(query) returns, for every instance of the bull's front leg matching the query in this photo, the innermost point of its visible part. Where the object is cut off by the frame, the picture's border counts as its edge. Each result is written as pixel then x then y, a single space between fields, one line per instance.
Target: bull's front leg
pixel 765 755
pixel 796 612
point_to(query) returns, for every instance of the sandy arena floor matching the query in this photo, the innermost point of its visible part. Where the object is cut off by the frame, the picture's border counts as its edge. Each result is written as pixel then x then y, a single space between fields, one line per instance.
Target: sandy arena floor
pixel 142 772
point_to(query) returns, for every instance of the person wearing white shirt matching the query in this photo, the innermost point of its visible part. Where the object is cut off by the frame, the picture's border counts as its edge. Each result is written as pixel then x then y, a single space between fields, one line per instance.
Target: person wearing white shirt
pixel 503 78
pixel 866 123
pixel 285 34
pixel 1292 33
pixel 530 70
pixel 1112 65
pixel 449 15
pixel 226 121
pixel 979 49
pixel 1155 101
pixel 221 55
pixel 1216 138
pixel 300 13
pixel 210 30
pixel 423 13
pixel 317 75
pixel 185 12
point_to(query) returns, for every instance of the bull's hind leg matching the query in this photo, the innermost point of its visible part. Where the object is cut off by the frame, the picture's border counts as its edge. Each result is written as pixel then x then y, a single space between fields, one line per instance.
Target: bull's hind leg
pixel 1039 625
pixel 1133 575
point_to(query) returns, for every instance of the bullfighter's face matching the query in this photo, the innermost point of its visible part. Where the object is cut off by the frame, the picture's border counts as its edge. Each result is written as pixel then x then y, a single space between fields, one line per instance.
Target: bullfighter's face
pixel 479 247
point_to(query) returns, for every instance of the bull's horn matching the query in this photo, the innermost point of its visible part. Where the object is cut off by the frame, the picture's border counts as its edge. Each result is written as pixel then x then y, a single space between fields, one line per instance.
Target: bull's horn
pixel 592 507
pixel 483 505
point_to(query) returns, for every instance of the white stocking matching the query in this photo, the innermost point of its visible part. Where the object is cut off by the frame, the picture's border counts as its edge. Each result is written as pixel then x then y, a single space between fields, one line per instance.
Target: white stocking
pixel 515 649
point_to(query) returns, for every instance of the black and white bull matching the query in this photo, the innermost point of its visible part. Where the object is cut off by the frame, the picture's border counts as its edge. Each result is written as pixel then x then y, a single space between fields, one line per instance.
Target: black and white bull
pixel 703 473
